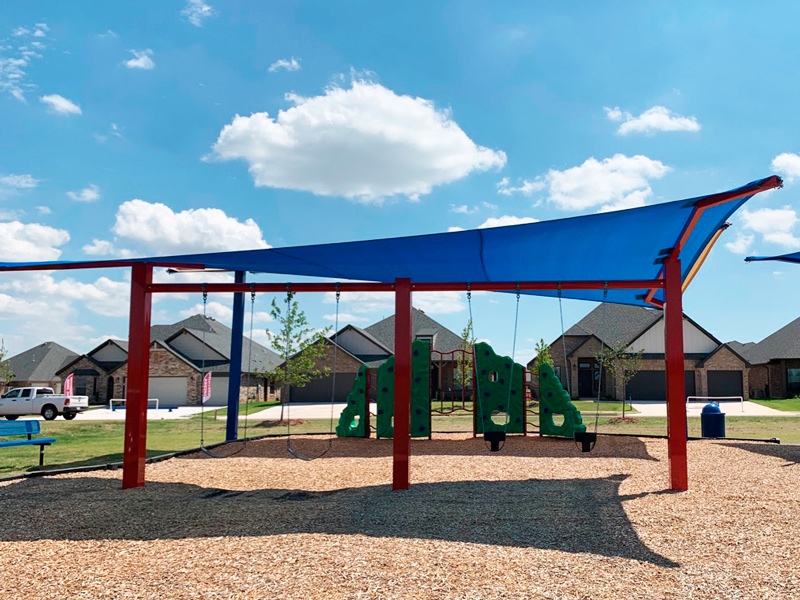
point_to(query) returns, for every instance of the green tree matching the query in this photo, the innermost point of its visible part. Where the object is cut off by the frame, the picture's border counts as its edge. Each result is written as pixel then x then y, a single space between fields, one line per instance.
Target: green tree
pixel 6 372
pixel 464 361
pixel 301 346
pixel 622 364
pixel 542 358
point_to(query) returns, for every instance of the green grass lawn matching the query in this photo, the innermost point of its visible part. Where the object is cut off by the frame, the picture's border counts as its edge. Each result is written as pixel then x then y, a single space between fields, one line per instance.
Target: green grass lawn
pixel 790 404
pixel 99 442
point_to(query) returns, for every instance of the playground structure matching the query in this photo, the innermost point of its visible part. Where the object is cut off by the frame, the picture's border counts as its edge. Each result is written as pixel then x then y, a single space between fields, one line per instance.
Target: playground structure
pixel 499 401
pixel 664 245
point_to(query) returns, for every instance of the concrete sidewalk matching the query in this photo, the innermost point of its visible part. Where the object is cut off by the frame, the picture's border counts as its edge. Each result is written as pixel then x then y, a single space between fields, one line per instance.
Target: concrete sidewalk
pixel 732 408
pixel 301 411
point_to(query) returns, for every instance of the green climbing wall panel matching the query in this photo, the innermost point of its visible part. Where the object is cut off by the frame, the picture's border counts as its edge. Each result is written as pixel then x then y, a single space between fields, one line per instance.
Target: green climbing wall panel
pixel 354 421
pixel 420 393
pixel 554 400
pixel 493 375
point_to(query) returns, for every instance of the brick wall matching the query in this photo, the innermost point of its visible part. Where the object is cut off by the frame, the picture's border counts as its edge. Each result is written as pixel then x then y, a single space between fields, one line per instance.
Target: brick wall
pixel 164 363
pixel 96 386
pixel 724 360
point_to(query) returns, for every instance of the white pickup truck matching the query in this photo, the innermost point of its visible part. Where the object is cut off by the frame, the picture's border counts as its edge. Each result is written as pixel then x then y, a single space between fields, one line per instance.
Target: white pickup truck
pixel 40 401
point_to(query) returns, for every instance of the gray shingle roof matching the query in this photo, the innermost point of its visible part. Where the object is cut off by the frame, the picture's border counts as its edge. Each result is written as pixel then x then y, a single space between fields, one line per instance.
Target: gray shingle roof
pixel 444 340
pixel 616 323
pixel 41 362
pixel 784 343
pixel 218 337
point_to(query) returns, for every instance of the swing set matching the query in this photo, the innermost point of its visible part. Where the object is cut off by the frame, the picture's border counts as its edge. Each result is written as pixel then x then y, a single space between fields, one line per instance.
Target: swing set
pixel 643 256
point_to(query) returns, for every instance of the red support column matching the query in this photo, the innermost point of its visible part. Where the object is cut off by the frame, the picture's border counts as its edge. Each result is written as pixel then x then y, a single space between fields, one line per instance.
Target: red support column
pixel 676 392
pixel 402 384
pixel 133 460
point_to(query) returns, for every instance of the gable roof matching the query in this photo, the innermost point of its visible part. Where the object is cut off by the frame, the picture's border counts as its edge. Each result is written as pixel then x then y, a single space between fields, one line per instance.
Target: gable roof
pixel 784 343
pixel 720 348
pixel 218 337
pixel 616 324
pixel 41 362
pixel 443 341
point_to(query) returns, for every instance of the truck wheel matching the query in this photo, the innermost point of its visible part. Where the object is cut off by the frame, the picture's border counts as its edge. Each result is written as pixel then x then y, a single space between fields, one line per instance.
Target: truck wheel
pixel 49 412
pixel 70 415
pixel 12 417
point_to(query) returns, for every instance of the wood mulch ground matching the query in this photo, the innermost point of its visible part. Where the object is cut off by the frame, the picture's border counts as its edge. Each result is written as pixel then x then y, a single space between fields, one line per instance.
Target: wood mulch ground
pixel 539 520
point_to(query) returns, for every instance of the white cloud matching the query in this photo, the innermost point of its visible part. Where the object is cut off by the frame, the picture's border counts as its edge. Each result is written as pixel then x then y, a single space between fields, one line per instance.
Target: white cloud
pixel 382 303
pixel 41 30
pixel 43 210
pixel 26 242
pixel 526 188
pixel 106 248
pixel 742 243
pixel 13 67
pixel 455 228
pixel 158 229
pixel 197 11
pixel 91 193
pixel 142 59
pixel 506 220
pixel 291 64
pixel 617 182
pixel 489 205
pixel 364 143
pixel 11 214
pixel 345 318
pixel 774 224
pixel 658 118
pixel 11 184
pixel 788 165
pixel 60 105
pixel 463 209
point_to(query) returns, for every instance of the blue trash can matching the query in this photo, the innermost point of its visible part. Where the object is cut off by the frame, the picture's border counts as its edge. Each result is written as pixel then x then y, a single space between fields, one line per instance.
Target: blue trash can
pixel 712 421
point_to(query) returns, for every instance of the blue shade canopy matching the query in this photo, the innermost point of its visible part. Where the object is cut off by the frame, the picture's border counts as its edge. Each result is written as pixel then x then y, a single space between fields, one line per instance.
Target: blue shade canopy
pixel 622 245
pixel 793 257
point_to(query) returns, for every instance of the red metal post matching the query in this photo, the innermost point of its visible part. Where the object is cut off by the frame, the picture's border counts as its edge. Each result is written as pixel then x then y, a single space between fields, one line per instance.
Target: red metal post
pixel 134 456
pixel 402 384
pixel 676 392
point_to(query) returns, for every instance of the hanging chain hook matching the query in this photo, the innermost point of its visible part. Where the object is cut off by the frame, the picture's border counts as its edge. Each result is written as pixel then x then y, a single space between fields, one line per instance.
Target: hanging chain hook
pixel 518 291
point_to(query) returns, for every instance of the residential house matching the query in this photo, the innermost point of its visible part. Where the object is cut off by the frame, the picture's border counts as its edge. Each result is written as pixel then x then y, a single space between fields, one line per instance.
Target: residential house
pixel 180 354
pixel 39 366
pixel 775 360
pixel 711 368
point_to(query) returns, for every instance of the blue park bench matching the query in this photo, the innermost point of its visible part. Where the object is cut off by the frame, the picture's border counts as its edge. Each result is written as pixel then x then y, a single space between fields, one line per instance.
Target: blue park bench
pixel 28 428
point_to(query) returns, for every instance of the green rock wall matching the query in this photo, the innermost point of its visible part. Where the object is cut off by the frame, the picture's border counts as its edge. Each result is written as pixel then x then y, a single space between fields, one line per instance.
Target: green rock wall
pixel 495 395
pixel 420 393
pixel 554 400
pixel 354 420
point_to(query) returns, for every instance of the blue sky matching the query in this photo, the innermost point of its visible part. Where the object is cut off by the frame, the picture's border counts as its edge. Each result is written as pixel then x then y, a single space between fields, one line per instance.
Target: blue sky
pixel 146 128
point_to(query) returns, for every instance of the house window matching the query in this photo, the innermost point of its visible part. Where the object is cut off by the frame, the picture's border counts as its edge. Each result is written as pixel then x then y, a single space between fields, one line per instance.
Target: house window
pixel 793 382
pixel 81 386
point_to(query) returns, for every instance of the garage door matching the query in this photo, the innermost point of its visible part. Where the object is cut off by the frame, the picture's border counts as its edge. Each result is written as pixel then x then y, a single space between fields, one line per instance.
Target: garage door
pixel 319 390
pixel 170 391
pixel 652 385
pixel 725 383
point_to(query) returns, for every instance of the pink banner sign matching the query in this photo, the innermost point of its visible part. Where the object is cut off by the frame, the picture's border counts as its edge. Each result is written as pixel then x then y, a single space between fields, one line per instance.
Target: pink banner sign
pixel 206 387
pixel 69 385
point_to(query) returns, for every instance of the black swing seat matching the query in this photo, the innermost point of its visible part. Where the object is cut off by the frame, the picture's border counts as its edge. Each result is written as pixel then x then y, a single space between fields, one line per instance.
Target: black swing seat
pixel 494 438
pixel 586 439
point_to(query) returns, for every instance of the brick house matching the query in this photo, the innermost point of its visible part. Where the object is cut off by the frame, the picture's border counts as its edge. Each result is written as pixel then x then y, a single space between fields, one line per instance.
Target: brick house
pixel 775 360
pixel 180 354
pixel 38 366
pixel 711 368
pixel 371 346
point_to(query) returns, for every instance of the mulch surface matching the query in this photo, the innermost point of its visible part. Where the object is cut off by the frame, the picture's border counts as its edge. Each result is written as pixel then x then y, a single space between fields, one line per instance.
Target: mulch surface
pixel 538 520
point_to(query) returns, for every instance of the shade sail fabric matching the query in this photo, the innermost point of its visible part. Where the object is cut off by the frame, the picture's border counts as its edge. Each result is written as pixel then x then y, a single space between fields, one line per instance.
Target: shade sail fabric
pixel 621 245
pixel 793 257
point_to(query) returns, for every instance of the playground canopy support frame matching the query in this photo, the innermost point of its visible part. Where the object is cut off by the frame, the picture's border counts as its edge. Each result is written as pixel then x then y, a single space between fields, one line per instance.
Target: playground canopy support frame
pixel 643 267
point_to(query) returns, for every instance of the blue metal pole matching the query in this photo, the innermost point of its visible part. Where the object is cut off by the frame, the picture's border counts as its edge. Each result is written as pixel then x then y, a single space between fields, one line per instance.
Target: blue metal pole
pixel 234 383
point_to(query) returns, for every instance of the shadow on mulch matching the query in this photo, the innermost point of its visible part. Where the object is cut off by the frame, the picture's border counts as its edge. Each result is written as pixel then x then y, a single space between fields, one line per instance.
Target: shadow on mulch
pixel 532 446
pixel 789 453
pixel 570 515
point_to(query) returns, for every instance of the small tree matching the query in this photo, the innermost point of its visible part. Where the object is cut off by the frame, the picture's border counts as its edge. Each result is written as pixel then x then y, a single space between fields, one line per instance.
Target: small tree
pixel 464 362
pixel 542 357
pixel 6 372
pixel 300 345
pixel 620 363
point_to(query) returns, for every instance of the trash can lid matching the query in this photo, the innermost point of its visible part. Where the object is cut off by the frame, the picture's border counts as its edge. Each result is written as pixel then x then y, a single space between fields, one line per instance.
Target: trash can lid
pixel 712 408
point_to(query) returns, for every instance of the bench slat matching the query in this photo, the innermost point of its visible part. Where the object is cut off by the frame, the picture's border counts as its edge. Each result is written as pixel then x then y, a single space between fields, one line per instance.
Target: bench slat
pixel 38 441
pixel 24 427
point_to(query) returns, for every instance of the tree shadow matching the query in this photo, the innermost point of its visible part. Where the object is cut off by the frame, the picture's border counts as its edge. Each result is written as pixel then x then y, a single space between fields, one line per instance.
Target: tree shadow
pixel 789 453
pixel 531 446
pixel 570 515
